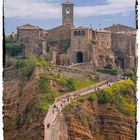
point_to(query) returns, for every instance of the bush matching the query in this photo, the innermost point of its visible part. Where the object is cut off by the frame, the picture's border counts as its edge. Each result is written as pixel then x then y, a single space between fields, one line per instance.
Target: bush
pixel 29 67
pixel 108 71
pixel 13 49
pixel 125 107
pixel 20 63
pixel 41 62
pixel 43 85
pixel 68 82
pixel 47 98
pixel 129 73
pixel 8 38
pixel 132 74
pixel 92 97
pixel 104 97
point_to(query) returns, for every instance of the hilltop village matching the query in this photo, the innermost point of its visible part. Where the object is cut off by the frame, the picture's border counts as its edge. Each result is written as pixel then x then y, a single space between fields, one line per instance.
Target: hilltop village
pixel 109 47
pixel 70 83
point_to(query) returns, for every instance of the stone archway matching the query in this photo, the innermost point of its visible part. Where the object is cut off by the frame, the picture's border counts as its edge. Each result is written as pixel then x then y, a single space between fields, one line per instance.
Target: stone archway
pixel 79 57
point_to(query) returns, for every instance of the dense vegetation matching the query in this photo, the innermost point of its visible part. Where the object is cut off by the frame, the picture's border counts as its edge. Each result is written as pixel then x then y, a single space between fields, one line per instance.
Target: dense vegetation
pixel 131 73
pixel 12 48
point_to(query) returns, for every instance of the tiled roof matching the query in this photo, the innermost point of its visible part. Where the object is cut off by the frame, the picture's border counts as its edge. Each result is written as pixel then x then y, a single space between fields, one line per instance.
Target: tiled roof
pixel 28 26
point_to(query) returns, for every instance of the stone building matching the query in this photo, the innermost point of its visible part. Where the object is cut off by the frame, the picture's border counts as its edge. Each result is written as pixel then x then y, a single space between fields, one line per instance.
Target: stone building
pixel 33 38
pixel 61 35
pixel 109 47
pixel 80 48
pixel 67 14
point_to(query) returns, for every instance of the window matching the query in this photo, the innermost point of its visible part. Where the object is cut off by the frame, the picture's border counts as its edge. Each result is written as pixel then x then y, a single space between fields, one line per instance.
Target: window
pixel 102 43
pixel 107 43
pixel 83 33
pixel 75 33
pixel 67 10
pixel 79 33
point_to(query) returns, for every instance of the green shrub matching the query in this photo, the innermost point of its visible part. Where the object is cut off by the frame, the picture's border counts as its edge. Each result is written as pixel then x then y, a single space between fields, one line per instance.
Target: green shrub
pixel 43 85
pixel 129 73
pixel 29 67
pixel 8 38
pixel 47 99
pixel 68 82
pixel 125 107
pixel 92 97
pixel 13 49
pixel 104 97
pixel 108 71
pixel 41 62
pixel 20 63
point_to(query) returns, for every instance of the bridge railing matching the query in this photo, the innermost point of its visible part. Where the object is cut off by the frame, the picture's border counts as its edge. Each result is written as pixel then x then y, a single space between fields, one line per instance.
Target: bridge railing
pixel 78 92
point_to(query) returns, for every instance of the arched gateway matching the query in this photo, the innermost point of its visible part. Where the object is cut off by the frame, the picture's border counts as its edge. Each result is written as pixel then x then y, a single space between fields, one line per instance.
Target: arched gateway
pixel 79 57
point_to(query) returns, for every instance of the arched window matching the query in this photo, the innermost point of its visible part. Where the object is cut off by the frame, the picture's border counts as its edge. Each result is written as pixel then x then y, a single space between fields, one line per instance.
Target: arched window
pixel 79 33
pixel 83 33
pixel 75 33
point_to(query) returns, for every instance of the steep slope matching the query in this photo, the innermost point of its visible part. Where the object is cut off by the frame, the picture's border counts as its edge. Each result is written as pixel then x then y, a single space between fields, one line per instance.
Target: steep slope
pixel 28 92
pixel 96 117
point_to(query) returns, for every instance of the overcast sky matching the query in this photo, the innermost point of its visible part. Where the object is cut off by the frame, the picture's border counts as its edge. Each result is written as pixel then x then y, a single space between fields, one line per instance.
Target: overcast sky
pixel 47 13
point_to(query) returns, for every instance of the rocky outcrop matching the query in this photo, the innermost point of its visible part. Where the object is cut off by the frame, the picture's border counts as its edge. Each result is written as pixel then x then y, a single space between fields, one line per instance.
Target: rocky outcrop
pixel 21 118
pixel 93 121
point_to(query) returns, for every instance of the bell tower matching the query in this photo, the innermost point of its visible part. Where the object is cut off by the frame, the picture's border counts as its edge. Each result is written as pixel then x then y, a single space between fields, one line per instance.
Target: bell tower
pixel 67 14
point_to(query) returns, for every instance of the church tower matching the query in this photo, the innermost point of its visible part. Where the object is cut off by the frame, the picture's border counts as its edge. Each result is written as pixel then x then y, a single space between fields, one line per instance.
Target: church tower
pixel 67 14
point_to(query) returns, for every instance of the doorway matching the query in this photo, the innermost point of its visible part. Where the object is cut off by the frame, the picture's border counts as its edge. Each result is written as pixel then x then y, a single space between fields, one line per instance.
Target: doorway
pixel 79 57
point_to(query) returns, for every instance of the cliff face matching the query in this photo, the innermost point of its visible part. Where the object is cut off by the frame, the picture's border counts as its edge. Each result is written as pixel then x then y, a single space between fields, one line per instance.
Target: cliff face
pixel 85 120
pixel 91 121
pixel 21 118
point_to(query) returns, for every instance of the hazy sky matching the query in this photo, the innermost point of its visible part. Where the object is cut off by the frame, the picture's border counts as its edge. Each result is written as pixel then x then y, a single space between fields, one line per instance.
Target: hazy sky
pixel 47 13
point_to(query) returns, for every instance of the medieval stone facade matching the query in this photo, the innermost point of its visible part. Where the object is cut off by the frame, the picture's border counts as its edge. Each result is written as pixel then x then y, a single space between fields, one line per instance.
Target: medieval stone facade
pixel 110 47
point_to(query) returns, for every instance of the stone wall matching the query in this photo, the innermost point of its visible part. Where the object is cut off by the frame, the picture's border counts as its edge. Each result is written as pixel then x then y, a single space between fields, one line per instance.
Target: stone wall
pixel 104 39
pixel 21 33
pixel 32 46
pixel 102 55
pixel 67 14
pixel 124 48
pixel 80 39
pixel 58 33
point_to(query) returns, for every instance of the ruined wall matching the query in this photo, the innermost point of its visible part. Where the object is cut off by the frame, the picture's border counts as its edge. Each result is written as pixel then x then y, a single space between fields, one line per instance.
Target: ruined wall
pixel 122 42
pixel 102 55
pixel 124 48
pixel 32 46
pixel 104 39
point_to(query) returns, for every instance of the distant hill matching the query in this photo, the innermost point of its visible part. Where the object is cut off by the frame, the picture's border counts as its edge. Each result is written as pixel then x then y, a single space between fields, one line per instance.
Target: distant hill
pixel 118 28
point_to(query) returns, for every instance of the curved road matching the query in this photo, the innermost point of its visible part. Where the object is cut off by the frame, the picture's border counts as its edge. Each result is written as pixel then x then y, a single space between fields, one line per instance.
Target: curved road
pixel 60 102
